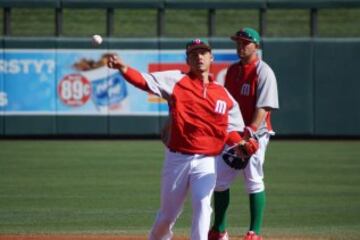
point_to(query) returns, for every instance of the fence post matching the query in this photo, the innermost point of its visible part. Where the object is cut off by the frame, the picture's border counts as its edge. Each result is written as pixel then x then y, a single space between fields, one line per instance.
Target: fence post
pixel 7 21
pixel 58 21
pixel 211 22
pixel 109 22
pixel 313 22
pixel 262 21
pixel 160 21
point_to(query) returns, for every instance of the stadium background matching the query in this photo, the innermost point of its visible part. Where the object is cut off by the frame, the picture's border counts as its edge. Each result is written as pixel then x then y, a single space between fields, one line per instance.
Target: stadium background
pixel 110 187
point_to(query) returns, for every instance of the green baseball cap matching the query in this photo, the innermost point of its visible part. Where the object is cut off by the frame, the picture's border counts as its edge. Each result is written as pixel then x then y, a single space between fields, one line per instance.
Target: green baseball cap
pixel 248 34
pixel 196 44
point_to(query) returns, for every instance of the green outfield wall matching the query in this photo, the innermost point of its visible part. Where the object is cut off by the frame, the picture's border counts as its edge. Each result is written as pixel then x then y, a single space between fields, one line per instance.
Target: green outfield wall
pixel 318 81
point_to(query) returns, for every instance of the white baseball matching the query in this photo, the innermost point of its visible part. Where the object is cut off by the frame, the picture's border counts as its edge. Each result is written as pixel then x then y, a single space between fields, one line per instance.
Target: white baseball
pixel 96 39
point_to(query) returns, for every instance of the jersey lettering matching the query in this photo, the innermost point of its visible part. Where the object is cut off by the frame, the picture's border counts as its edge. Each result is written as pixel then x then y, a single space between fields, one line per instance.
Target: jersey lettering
pixel 245 89
pixel 220 107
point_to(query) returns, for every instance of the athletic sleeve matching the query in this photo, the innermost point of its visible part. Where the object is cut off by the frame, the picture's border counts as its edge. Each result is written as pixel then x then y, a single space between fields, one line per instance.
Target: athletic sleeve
pixel 158 83
pixel 135 78
pixel 235 123
pixel 267 93
pixel 162 83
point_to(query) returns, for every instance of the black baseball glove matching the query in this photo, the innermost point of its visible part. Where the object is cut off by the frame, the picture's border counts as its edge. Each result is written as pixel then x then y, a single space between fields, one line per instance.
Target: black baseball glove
pixel 240 158
pixel 235 161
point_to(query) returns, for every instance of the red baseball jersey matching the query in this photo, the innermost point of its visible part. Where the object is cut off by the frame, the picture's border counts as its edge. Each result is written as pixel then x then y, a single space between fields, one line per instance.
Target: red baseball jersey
pixel 253 86
pixel 202 117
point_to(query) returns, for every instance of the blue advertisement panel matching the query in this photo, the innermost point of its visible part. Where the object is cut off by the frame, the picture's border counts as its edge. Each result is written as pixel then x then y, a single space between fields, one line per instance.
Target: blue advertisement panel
pixel 3 96
pixel 77 82
pixel 29 81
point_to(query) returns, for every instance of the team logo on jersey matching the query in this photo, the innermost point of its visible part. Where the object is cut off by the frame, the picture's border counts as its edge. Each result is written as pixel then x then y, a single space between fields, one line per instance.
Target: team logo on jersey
pixel 220 106
pixel 245 89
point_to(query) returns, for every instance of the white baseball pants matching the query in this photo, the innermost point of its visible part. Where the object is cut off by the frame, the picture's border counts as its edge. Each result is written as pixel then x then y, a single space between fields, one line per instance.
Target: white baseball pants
pixel 253 173
pixel 183 173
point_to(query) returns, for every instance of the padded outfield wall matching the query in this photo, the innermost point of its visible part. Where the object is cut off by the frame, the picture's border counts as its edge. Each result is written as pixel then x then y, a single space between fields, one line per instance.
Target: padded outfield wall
pixel 59 87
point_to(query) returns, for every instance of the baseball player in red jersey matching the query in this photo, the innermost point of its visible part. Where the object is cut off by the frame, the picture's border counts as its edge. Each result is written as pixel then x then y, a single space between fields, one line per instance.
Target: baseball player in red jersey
pixel 253 85
pixel 203 117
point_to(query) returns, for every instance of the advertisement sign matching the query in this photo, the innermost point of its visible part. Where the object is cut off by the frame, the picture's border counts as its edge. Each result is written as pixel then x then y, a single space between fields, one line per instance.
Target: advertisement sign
pixel 77 82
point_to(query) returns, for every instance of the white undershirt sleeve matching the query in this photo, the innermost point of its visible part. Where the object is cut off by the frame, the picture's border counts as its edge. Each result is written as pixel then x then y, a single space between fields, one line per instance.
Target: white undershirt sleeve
pixel 162 83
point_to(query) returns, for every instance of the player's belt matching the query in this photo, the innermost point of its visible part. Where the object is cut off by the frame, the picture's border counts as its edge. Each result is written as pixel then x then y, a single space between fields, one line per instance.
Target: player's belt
pixel 186 153
pixel 180 152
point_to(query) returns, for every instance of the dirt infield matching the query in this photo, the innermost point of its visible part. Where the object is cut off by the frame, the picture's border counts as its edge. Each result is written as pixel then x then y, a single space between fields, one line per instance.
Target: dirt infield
pixel 120 237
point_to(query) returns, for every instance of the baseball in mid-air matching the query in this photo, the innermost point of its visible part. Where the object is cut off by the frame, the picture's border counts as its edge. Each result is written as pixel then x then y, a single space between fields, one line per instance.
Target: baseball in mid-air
pixel 97 40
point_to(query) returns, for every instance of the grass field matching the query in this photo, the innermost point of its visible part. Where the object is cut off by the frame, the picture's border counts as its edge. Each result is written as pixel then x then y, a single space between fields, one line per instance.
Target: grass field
pixel 112 187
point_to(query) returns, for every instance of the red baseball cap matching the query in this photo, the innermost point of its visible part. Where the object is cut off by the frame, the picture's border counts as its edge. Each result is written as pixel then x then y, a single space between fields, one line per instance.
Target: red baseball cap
pixel 197 44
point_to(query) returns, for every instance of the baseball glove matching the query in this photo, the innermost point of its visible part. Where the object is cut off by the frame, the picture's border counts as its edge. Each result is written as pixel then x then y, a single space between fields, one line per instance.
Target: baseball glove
pixel 238 157
pixel 235 161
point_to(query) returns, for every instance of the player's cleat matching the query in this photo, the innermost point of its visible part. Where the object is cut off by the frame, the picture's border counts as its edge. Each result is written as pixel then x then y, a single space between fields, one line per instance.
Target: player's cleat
pixel 250 235
pixel 215 235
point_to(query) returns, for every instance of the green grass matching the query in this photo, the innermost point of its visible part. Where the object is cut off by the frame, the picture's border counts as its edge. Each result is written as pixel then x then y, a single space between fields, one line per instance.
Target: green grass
pixel 113 187
pixel 183 23
pixel 66 186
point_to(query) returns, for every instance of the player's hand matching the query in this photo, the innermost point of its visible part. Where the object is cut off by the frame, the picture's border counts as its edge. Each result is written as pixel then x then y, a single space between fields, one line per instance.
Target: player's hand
pixel 115 62
pixel 239 150
pixel 246 149
pixel 249 132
